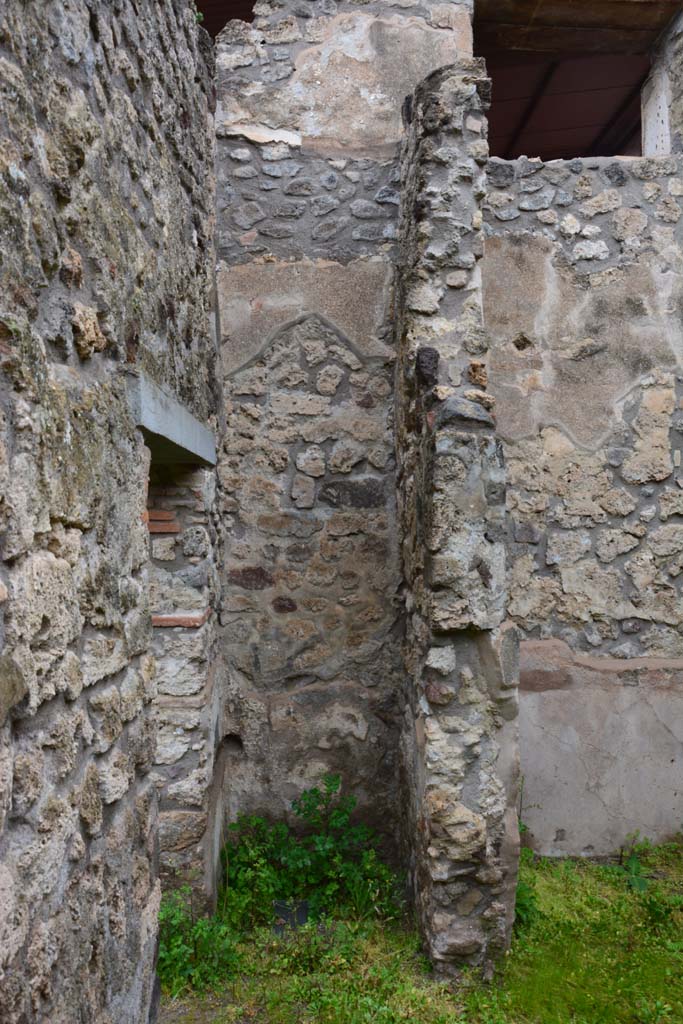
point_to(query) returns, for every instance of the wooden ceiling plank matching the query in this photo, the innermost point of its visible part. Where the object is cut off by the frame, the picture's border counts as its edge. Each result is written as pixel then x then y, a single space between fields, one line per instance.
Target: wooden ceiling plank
pixel 610 13
pixel 571 26
pixel 601 14
pixel 491 39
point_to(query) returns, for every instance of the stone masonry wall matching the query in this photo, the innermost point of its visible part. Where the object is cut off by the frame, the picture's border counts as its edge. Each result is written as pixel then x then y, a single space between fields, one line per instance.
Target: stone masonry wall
pixel 460 760
pixel 309 127
pixel 183 594
pixel 310 610
pixel 583 288
pixel 106 206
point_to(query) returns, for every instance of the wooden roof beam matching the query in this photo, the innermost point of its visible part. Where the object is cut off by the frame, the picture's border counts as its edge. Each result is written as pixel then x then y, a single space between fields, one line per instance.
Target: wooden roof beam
pixel 492 37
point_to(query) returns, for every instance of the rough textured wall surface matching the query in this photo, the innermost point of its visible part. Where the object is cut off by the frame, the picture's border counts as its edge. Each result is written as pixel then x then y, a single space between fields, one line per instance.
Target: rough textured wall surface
pixel 460 759
pixel 183 596
pixel 308 124
pixel 311 617
pixel 583 287
pixel 105 224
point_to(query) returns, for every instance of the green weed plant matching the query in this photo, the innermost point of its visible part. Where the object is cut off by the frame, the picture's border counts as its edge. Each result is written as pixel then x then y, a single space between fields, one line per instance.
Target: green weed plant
pixel 328 860
pixel 590 947
pixel 195 951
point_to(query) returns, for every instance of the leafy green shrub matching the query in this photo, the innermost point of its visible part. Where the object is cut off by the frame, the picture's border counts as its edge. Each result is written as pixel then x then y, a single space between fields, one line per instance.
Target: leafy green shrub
pixel 198 16
pixel 333 863
pixel 596 954
pixel 194 952
pixel 635 875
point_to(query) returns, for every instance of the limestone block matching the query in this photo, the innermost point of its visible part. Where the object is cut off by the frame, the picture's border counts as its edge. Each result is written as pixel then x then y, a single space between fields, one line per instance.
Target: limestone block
pixel 90 801
pixel 612 543
pixel 303 491
pixel 115 776
pixel 454 936
pixel 179 830
pixel 164 548
pixel 88 337
pixel 192 789
pixel 180 677
pixel 462 831
pixel 628 224
pixel 564 547
pixel 651 459
pixel 14 917
pixel 666 540
pixel 172 744
pixel 102 656
pixel 441 659
pixel 603 202
pixel 670 503
pixel 169 593
pixel 328 380
pixel 311 461
pixel 44 603
pixel 13 686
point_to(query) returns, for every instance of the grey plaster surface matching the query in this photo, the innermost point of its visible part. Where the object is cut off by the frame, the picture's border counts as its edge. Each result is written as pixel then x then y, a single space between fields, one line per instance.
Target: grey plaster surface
pixel 601 749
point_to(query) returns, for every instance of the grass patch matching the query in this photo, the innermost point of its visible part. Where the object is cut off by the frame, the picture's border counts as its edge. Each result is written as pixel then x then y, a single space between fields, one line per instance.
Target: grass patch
pixel 595 947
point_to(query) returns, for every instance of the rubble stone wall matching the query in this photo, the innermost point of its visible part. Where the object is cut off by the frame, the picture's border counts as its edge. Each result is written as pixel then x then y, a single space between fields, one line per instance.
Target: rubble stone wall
pixel 106 209
pixel 309 126
pixel 583 287
pixel 183 596
pixel 459 744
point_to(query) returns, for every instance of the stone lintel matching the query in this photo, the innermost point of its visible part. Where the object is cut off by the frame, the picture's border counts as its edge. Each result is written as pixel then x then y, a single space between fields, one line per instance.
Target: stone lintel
pixel 172 433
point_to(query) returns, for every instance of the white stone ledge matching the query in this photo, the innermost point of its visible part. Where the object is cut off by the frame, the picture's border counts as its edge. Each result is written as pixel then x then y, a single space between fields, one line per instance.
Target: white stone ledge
pixel 178 434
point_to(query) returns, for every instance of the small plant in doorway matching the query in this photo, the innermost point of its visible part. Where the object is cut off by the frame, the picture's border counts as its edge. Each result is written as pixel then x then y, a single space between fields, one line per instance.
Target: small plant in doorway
pixel 195 952
pixel 329 861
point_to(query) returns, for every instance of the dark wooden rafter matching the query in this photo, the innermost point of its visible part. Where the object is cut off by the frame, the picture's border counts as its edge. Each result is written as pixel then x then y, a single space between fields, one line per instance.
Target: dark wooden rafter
pixel 569 40
pixel 622 125
pixel 528 112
